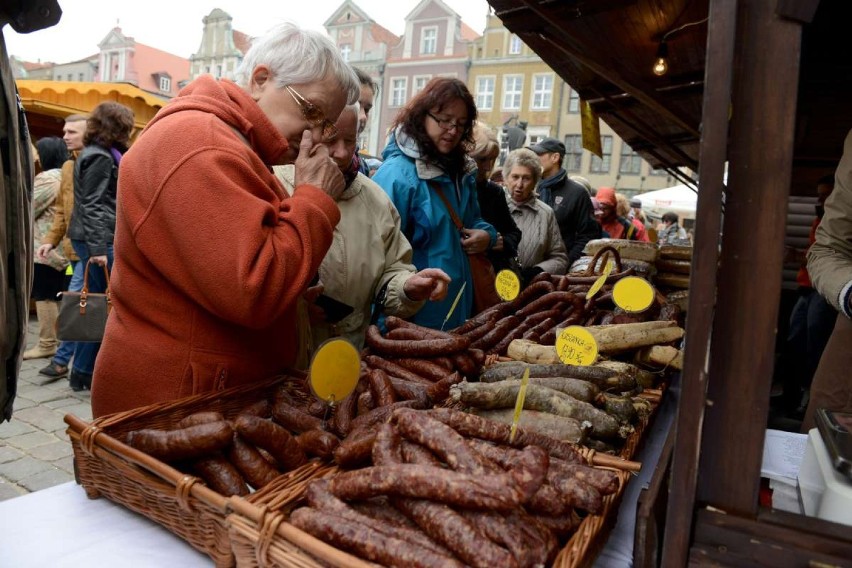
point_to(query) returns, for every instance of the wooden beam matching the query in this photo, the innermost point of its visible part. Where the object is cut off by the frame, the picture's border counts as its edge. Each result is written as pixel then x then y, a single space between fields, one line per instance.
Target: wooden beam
pixel 721 39
pixel 766 79
pixel 799 10
pixel 729 540
pixel 607 70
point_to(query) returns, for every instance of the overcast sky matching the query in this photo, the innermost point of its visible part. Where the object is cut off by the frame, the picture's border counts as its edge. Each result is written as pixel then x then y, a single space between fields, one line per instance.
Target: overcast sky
pixel 175 25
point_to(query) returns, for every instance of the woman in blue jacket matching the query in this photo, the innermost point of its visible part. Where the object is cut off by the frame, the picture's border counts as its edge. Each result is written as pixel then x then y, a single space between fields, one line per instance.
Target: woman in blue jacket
pixel 427 154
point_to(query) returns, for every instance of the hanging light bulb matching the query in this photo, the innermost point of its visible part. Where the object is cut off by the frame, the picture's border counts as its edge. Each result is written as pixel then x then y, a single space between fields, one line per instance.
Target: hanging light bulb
pixel 661 66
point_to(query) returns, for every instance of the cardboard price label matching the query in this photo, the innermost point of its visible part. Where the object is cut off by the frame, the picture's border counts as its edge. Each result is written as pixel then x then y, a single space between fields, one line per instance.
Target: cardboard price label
pixel 334 370
pixel 576 346
pixel 508 285
pixel 633 294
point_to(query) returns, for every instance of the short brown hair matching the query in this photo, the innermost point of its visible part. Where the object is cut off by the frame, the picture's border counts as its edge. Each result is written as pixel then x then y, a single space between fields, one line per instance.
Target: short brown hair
pixel 110 124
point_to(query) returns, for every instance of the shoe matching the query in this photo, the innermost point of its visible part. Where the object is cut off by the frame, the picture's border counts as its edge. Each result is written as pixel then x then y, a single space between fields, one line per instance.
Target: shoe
pixel 54 370
pixel 39 352
pixel 80 381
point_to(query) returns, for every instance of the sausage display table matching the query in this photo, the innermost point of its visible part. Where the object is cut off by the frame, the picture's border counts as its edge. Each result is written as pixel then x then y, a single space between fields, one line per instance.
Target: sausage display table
pixel 61 527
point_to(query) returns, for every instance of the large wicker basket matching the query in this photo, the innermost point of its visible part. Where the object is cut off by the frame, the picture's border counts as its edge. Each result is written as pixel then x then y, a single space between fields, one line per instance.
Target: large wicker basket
pixel 107 467
pixel 262 537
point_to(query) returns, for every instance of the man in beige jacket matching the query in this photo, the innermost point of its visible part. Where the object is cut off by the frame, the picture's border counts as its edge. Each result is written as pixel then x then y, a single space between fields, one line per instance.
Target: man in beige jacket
pixel 830 267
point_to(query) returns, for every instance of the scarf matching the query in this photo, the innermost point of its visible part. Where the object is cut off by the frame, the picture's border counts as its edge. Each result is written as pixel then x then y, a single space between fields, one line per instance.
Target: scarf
pixel 545 192
pixel 351 172
pixel 116 155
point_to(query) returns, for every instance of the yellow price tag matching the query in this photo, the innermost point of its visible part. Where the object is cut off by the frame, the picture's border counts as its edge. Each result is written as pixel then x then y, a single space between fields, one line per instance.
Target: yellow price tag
pixel 576 346
pixel 519 404
pixel 334 370
pixel 633 294
pixel 508 285
pixel 453 307
pixel 610 265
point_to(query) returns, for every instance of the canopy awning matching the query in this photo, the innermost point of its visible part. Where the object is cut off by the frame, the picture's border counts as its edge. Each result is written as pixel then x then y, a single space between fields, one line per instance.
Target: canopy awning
pixel 57 99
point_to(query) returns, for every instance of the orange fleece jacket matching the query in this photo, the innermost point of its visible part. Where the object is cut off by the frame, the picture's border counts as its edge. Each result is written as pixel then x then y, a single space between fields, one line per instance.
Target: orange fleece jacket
pixel 210 253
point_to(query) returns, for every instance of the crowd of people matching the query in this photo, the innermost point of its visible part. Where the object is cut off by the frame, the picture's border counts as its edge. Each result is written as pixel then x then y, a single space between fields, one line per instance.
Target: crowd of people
pixel 244 227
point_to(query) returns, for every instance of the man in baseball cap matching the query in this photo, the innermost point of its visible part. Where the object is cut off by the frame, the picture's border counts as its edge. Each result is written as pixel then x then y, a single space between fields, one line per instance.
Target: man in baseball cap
pixel 570 200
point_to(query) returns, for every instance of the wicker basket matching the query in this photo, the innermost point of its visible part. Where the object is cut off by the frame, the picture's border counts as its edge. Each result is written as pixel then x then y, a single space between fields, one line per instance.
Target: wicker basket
pixel 262 537
pixel 105 466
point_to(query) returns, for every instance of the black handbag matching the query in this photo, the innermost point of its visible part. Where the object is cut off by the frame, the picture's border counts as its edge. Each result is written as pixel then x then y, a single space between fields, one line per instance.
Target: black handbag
pixel 83 314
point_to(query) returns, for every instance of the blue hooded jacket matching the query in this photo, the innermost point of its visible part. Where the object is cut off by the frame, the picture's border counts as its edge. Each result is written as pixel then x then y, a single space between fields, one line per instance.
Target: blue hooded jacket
pixel 405 177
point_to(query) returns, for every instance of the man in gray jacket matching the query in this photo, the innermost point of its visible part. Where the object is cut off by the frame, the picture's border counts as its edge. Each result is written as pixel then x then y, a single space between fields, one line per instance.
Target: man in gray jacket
pixel 830 268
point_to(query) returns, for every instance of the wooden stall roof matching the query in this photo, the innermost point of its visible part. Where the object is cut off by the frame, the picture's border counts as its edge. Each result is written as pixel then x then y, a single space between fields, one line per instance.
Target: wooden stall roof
pixel 47 103
pixel 605 50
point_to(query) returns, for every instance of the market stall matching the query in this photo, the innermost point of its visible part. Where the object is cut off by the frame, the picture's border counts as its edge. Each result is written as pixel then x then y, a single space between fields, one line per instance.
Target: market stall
pixel 763 85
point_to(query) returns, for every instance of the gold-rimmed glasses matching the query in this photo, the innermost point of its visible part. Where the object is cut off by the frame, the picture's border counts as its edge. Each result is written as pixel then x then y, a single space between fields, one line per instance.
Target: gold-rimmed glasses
pixel 313 115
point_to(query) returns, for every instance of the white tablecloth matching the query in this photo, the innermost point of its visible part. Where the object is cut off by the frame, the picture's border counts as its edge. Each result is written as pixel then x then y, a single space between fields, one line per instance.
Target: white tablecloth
pixel 61 527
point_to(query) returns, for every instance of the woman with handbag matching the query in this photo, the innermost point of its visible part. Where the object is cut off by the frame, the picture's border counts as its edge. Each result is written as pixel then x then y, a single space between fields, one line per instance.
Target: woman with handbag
pixel 432 182
pixel 542 248
pixel 92 225
pixel 49 272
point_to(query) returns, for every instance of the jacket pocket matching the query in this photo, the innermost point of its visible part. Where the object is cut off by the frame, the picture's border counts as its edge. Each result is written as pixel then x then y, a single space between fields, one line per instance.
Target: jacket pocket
pixel 208 376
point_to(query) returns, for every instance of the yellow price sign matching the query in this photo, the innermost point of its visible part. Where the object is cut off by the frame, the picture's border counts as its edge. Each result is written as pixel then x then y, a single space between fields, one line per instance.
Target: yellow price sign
pixel 610 265
pixel 334 370
pixel 519 404
pixel 576 346
pixel 508 285
pixel 633 294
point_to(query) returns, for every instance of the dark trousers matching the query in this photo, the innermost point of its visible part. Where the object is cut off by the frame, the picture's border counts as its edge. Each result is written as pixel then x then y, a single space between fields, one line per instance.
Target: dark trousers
pixel 832 386
pixel 811 323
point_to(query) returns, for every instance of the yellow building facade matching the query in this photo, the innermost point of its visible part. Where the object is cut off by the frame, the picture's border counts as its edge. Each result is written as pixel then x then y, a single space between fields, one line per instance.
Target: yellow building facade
pixel 513 87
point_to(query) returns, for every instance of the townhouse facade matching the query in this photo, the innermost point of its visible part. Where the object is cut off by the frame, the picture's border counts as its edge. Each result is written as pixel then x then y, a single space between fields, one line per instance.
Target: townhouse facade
pixel 221 49
pixel 366 45
pixel 123 60
pixel 435 43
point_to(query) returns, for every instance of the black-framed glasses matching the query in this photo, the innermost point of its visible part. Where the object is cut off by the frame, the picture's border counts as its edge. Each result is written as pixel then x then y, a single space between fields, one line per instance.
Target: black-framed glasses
pixel 450 124
pixel 313 115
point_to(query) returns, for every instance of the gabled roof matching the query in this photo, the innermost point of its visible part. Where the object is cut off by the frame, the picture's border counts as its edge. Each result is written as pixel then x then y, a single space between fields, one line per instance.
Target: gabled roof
pixel 383 35
pixel 349 6
pixel 149 60
pixel 242 41
pixel 468 33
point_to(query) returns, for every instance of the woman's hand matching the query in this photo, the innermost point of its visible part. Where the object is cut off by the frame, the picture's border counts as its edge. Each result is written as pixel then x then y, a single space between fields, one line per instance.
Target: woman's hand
pixel 316 315
pixel 44 250
pixel 429 283
pixel 100 260
pixel 498 245
pixel 475 240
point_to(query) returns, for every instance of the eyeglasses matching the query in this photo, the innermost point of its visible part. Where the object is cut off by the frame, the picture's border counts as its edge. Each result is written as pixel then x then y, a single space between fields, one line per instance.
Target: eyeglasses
pixel 313 115
pixel 450 124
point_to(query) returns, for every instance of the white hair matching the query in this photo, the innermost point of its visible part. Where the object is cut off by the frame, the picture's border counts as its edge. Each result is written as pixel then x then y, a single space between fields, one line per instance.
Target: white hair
pixel 298 56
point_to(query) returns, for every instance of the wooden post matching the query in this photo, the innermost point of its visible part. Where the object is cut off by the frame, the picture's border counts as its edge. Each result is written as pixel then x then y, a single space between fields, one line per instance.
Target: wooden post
pixel 766 79
pixel 702 289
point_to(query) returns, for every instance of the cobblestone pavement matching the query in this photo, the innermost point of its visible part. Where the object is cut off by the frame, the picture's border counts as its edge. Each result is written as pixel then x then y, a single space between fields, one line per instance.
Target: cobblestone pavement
pixel 35 452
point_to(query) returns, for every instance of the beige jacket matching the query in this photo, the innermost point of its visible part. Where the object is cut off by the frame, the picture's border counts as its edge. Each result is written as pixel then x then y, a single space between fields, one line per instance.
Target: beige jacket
pixel 367 250
pixel 62 213
pixel 541 242
pixel 830 257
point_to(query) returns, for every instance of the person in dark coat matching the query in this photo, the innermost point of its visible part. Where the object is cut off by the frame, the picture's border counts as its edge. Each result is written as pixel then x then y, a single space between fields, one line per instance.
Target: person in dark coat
pixel 568 199
pixel 492 200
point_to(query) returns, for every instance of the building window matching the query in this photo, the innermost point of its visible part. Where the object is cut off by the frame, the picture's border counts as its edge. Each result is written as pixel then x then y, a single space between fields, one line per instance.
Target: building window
pixel 573 152
pixel 399 86
pixel 574 102
pixel 429 40
pixel 542 91
pixel 218 71
pixel 165 84
pixel 419 82
pixel 345 50
pixel 514 45
pixel 81 77
pixel 513 88
pixel 601 165
pixel 630 162
pixel 485 93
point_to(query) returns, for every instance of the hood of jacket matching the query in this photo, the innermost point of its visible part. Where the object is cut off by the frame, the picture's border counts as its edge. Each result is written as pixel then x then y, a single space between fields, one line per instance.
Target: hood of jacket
pixel 401 143
pixel 235 107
